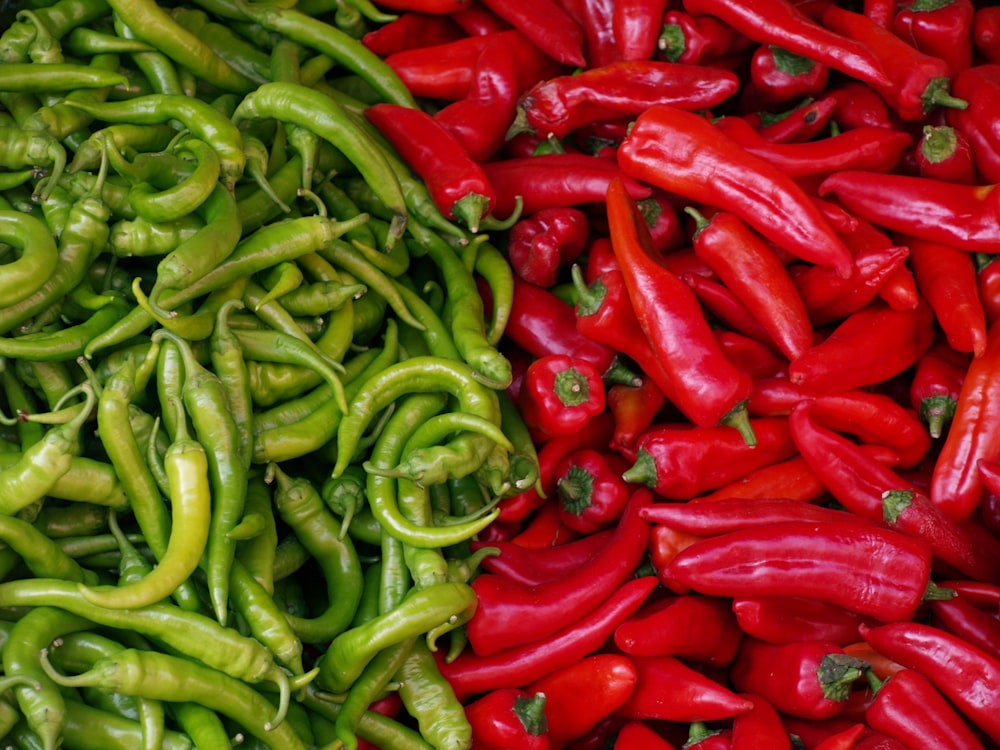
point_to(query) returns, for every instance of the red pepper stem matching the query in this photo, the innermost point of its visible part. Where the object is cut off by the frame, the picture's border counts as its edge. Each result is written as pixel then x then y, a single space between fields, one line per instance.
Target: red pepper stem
pixel 937 411
pixel 873 681
pixel 643 471
pixel 470 209
pixel 576 490
pixel 739 419
pixel 700 221
pixel 837 672
pixel 939 143
pixel 935 593
pixel 936 95
pixel 531 713
pixel 571 387
pixel 490 223
pixel 894 502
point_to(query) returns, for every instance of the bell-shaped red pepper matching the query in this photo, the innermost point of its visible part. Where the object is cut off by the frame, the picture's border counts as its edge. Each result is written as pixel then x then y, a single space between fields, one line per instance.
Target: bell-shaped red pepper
pixel 541 245
pixel 560 395
pixel 940 28
pixel 780 76
pixel 508 717
pixel 698 39
pixel 943 153
pixel 591 492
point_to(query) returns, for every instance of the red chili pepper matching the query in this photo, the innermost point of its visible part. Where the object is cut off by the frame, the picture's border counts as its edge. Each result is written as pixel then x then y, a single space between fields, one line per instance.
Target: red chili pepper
pixel 698 39
pixel 700 737
pixel 637 735
pixel 918 82
pixel 986 32
pixel 870 346
pixel 858 105
pixel 788 619
pixel 411 30
pixel 669 690
pixel 595 19
pixel 665 543
pixel 943 153
pixel 778 75
pixel 844 740
pixel 981 594
pixel 704 385
pixel 909 708
pixel 546 25
pixel 521 665
pixel 962 618
pixel 681 461
pixel 560 395
pixel 755 274
pixel 791 479
pixel 872 491
pixel 939 28
pixel 967 676
pixel 634 407
pixel 724 308
pixel 509 717
pixel 541 245
pixel 635 25
pixel 798 678
pixel 684 153
pixel 801 123
pixel 509 614
pixel 974 435
pixel 591 492
pixel 439 71
pixel 476 20
pixel 988 285
pixel 880 11
pixel 690 627
pixel 760 728
pixel 572 712
pixel 544 529
pixel 457 184
pixel 534 566
pixel 750 355
pixel 663 221
pixel 558 106
pixel 796 557
pixel 981 85
pixel 734 514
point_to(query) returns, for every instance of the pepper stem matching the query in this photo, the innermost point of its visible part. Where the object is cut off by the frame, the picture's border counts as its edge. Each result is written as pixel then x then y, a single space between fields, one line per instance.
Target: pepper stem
pixel 836 674
pixel 936 95
pixel 699 218
pixel 571 387
pixel 894 502
pixel 937 411
pixel 470 210
pixel 531 713
pixel 739 419
pixel 576 490
pixel 935 593
pixel 643 471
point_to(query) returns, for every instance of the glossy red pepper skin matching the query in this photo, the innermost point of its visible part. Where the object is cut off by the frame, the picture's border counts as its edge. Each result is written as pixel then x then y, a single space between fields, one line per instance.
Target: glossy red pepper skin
pixel 546 25
pixel 680 461
pixel 981 83
pixel 665 543
pixel 560 395
pixel 520 665
pixel 634 408
pixel 534 566
pixel 590 490
pixel 508 717
pixel 635 27
pixel 779 76
pixel 690 627
pixel 698 39
pixel 870 346
pixel 411 30
pixel 791 479
pixel 734 514
pixel 725 309
pixel 754 357
pixel 986 32
pixel 858 105
pixel 544 529
pixel 684 153
pixel 509 614
pixel 760 728
pixel 940 28
pixel 967 676
pixel 439 71
pixel 572 712
pixel 988 285
pixel 669 690
pixel 778 620
pixel 802 123
pixel 558 106
pixel 637 735
pixel 956 486
pixel 943 153
pixel 542 245
pixel 794 558
pixel 960 617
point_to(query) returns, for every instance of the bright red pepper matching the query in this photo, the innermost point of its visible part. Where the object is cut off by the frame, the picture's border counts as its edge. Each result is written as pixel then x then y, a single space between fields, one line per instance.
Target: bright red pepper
pixel 591 492
pixel 509 614
pixel 634 407
pixel 981 84
pixel 734 514
pixel 595 18
pixel 754 357
pixel 684 153
pixel 669 690
pixel 542 245
pixel 844 740
pixel 801 123
pixel 560 395
pixel 457 184
pixel 637 735
pixel 663 221
pixel 700 737
pixel 797 678
pixel 988 285
pixel 691 627
pixel 635 25
pixel 789 619
pixel 974 435
pixel 791 479
pixel 878 664
pixel 724 308
pixel 962 618
pixel 572 712
pixel 967 676
pixel 477 20
pixel 857 105
pixel 439 71
pixel 800 558
pixel 940 28
pixel 412 30
pixel 521 665
pixel 558 106
pixel 534 566
pixel 508 717
pixel 760 728
pixel 546 25
pixel 544 529
pixel 880 11
pixel 665 543
pixel 779 76
pixel 986 32
pixel 704 385
pixel 943 153
pixel 982 595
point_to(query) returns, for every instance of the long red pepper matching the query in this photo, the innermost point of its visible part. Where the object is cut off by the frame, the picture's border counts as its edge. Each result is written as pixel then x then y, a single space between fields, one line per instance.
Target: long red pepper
pixel 635 25
pixel 534 566
pixel 962 618
pixel 410 31
pixel 733 514
pixel 760 728
pixel 638 735
pixel 704 385
pixel 789 619
pixel 519 665
pixel 967 676
pixel 725 309
pixel 791 479
pixel 510 614
pixel 800 558
pixel 974 435
pixel 547 25
pixel 683 152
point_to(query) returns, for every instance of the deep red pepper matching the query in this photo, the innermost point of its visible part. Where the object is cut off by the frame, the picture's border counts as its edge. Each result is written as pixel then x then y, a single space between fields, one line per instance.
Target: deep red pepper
pixel 542 245
pixel 791 479
pixel 875 492
pixel 943 153
pixel 962 618
pixel 967 676
pixel 755 358
pixel 690 627
pixel 778 75
pixel 439 71
pixel 667 689
pixel 857 105
pixel 477 20
pixel 789 676
pixel 704 385
pixel 663 221
pixel 918 82
pixel 590 490
pixel 635 25
pixel 788 619
pixel 533 566
pixel 844 740
pixel 940 28
pixel 760 728
pixel 457 184
pixel 665 543
pixel 697 39
pixel 986 32
pixel 544 529
pixel 756 276
pixel 796 558
pixel 546 25
pixel 700 737
pixel 726 515
pixel 724 308
pixel 880 11
pixel 572 712
pixel 560 395
pixel 681 461
pixel 638 735
pixel 801 123
pixel 510 614
pixel 868 347
pixel 982 595
pixel 410 31
pixel 909 708
pixel 634 407
pixel 684 153
pixel 988 285
pixel 558 106
pixel 981 84
pixel 595 19
pixel 520 665
pixel 508 717
pixel 974 435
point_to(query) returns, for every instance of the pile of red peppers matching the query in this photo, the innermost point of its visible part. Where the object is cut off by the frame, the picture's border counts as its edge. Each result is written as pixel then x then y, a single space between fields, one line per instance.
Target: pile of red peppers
pixel 754 341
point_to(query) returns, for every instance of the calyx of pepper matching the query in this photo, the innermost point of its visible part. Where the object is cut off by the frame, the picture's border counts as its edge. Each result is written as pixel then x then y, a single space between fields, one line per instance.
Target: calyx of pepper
pixel 789 63
pixel 937 411
pixel 938 143
pixel 576 489
pixel 571 387
pixel 470 210
pixel 531 713
pixel 836 674
pixel 894 502
pixel 672 43
pixel 936 94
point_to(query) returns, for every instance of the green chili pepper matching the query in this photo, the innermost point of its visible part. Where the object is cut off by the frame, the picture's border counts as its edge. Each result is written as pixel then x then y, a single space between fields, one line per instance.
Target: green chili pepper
pixel 429 698
pixel 37 261
pixel 368 688
pixel 140 237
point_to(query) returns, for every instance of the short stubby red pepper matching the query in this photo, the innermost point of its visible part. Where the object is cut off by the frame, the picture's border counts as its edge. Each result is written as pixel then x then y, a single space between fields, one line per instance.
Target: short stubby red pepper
pixel 800 558
pixel 943 153
pixel 684 153
pixel 760 728
pixel 935 385
pixel 542 245
pixel 977 122
pixel 560 395
pixel 558 106
pixel 509 717
pixel 939 28
pixel 699 39
pixel 591 492
pixel 790 619
pixel 635 27
pixel 779 76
